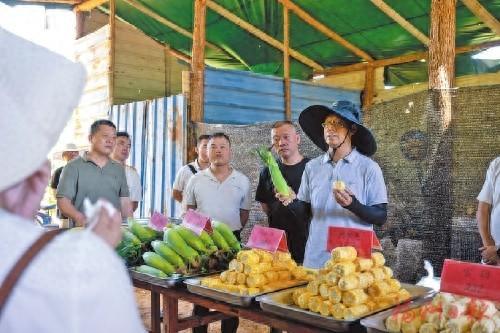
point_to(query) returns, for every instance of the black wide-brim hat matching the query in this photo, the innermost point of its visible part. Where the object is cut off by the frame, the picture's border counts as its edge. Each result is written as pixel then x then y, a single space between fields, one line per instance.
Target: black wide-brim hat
pixel 312 117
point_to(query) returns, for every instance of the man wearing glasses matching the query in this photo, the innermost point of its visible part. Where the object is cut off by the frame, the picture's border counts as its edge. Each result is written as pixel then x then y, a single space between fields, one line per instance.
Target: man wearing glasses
pixel 344 187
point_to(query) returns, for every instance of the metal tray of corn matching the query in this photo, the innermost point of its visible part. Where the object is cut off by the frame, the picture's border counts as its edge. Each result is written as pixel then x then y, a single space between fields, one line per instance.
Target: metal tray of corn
pixel 171 281
pixel 280 303
pixel 376 322
pixel 194 286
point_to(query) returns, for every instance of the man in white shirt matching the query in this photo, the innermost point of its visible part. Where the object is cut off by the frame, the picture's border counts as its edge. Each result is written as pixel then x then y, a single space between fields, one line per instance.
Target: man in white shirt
pixel 76 283
pixel 223 194
pixel 121 152
pixel 488 214
pixel 189 170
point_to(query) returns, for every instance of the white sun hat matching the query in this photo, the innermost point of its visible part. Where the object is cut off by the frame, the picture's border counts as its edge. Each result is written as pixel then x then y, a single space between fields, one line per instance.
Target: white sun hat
pixel 38 91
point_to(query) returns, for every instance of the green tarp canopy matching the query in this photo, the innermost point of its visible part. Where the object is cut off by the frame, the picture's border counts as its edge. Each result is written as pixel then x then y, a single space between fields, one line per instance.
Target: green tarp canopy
pixel 357 21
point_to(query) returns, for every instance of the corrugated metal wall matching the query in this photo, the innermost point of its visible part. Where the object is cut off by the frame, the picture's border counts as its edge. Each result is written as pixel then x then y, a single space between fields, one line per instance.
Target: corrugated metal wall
pixel 158 131
pixel 236 97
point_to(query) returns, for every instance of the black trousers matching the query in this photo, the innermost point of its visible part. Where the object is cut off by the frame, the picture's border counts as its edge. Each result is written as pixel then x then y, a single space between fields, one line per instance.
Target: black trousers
pixel 227 325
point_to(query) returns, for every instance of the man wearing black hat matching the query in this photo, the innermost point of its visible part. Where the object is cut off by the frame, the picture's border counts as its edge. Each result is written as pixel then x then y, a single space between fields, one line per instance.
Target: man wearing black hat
pixel 359 197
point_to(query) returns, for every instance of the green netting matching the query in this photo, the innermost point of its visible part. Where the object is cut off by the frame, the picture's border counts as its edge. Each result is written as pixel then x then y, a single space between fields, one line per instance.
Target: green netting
pixel 358 21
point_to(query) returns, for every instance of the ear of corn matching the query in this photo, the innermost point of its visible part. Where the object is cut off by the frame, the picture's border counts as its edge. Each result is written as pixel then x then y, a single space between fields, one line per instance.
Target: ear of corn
pixel 220 241
pixel 191 239
pixel 144 233
pixel 228 235
pixel 175 241
pixel 155 260
pixel 206 239
pixel 145 269
pixel 167 253
pixel 277 178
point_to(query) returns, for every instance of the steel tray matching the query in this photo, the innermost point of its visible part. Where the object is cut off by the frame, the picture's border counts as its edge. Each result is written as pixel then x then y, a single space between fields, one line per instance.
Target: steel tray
pixel 376 322
pixel 171 281
pixel 194 286
pixel 280 303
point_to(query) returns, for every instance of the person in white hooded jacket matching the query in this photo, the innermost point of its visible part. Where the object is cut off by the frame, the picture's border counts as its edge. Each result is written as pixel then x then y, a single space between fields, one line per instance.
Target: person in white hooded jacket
pixel 76 282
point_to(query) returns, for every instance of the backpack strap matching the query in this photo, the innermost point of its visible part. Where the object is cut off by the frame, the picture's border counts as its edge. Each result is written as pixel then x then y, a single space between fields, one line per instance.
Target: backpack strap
pixel 15 273
pixel 192 168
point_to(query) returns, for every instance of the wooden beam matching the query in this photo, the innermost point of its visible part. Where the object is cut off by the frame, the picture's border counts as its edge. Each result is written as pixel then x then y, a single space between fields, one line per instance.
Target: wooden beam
pixel 260 34
pixel 401 59
pixel 442 48
pixel 198 61
pixel 178 54
pixel 483 14
pixel 89 5
pixel 286 64
pixel 306 17
pixel 167 23
pixel 389 11
pixel 112 40
pixel 369 90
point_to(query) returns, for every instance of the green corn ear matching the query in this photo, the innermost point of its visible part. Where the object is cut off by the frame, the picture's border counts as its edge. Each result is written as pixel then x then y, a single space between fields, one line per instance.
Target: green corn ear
pixel 145 269
pixel 205 238
pixel 176 243
pixel 155 260
pixel 144 233
pixel 167 253
pixel 277 178
pixel 220 241
pixel 191 239
pixel 227 233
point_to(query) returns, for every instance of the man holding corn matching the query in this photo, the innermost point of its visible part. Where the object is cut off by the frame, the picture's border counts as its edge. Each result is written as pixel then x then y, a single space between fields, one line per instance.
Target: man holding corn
pixel 344 187
pixel 295 222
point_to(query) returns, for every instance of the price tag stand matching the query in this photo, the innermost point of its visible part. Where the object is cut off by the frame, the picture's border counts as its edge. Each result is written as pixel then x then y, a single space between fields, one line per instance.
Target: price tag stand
pixel 197 222
pixel 363 240
pixel 269 239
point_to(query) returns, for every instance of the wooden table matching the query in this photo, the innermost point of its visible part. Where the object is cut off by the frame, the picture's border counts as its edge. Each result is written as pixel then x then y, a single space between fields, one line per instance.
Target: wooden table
pixel 172 323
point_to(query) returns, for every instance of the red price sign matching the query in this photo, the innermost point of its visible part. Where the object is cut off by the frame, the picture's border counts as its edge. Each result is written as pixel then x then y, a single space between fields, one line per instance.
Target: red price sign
pixel 269 239
pixel 158 221
pixel 473 280
pixel 197 222
pixel 360 239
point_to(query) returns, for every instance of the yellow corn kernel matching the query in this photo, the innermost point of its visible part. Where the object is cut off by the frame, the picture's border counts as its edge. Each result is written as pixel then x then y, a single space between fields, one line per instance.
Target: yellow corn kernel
pixel 271 276
pixel 379 288
pixel 344 254
pixel 303 300
pixel 363 264
pixel 324 308
pixel 378 259
pixel 242 290
pixel 313 287
pixel 299 273
pixel 391 298
pixel 323 290
pixel 231 277
pixel 265 256
pixel 365 280
pixel 372 305
pixel 378 273
pixel 223 276
pixel 241 278
pixel 334 294
pixel 256 280
pixel 332 278
pixel 349 282
pixel 250 258
pixel 329 264
pixel 388 272
pixel 314 303
pixel 338 311
pixel 356 311
pixel 253 291
pixel 354 297
pixel 403 295
pixel 296 293
pixel 233 265
pixel 344 268
pixel 284 275
pixel 257 268
pixel 282 256
pixel 393 284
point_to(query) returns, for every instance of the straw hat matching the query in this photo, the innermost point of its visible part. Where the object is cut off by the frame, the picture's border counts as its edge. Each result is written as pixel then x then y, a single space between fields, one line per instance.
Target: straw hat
pixel 38 92
pixel 70 147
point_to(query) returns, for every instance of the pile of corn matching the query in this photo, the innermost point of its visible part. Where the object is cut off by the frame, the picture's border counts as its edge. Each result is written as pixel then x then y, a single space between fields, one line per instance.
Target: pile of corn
pixel 349 287
pixel 258 271
pixel 447 313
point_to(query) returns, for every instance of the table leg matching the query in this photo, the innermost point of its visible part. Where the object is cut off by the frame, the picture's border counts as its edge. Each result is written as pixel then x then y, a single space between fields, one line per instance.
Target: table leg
pixel 155 312
pixel 170 314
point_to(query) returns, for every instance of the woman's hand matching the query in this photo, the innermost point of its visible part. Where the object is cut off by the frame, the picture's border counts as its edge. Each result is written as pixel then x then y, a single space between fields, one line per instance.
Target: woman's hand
pixel 286 199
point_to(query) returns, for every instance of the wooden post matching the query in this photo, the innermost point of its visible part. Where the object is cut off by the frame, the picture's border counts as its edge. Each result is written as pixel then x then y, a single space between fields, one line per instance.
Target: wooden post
pixel 369 89
pixel 80 24
pixel 111 70
pixel 437 181
pixel 198 61
pixel 286 64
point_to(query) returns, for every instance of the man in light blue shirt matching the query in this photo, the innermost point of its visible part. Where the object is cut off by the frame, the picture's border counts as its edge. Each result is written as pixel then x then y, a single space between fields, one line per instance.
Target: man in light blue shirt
pixel 359 197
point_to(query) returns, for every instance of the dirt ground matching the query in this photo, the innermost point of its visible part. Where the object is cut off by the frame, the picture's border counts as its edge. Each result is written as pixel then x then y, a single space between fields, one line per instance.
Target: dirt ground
pixel 143 300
